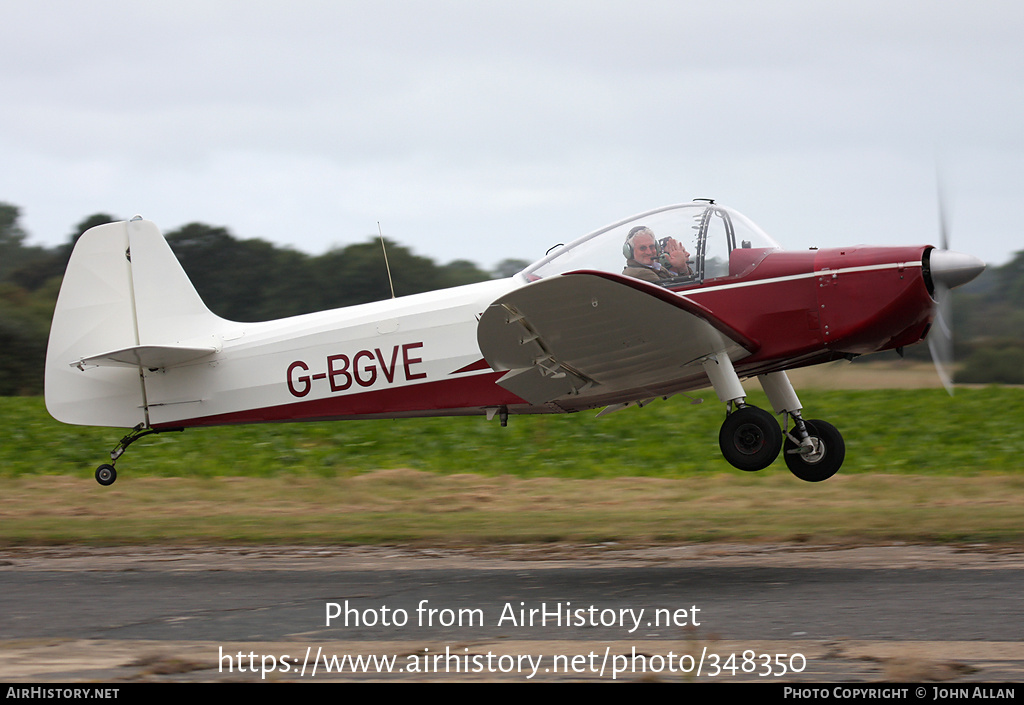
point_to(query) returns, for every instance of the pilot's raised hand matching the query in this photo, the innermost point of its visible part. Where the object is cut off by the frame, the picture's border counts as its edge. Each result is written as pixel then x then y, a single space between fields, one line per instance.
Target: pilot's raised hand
pixel 677 256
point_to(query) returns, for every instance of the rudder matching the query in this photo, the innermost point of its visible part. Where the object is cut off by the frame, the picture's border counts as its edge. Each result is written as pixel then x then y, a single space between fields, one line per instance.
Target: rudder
pixel 123 291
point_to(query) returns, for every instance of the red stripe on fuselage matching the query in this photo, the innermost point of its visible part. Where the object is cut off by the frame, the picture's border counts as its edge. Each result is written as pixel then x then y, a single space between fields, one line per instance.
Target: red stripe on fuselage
pixel 425 399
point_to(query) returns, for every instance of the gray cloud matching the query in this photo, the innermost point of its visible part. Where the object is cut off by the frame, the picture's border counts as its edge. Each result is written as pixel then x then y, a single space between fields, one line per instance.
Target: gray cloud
pixel 492 130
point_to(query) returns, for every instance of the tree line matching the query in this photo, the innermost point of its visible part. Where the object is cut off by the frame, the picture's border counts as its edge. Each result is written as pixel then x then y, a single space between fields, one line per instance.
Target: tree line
pixel 239 279
pixel 254 280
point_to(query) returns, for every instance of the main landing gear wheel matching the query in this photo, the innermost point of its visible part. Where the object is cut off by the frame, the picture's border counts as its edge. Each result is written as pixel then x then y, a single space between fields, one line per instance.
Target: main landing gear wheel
pixel 750 438
pixel 106 474
pixel 824 460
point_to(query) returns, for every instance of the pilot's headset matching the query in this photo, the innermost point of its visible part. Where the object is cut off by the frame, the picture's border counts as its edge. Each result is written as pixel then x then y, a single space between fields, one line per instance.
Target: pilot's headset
pixel 627 246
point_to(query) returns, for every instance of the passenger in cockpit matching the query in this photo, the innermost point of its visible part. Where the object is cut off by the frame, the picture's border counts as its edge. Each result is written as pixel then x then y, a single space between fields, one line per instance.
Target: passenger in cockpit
pixel 646 260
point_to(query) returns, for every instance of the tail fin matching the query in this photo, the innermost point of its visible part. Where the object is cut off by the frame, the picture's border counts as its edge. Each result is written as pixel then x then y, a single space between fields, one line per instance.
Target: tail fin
pixel 125 306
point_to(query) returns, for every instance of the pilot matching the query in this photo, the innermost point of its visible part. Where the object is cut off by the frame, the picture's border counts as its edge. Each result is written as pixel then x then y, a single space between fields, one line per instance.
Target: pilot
pixel 645 261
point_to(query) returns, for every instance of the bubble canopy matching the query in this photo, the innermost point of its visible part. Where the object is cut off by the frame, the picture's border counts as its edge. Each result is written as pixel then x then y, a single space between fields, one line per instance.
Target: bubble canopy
pixel 647 246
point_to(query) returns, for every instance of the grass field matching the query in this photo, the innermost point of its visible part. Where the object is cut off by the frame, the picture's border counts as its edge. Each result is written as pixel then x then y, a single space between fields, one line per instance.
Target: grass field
pixel 889 431
pixel 407 506
pixel 920 466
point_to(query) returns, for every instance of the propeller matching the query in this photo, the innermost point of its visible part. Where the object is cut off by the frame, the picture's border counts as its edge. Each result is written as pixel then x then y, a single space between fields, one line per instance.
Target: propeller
pixel 946 270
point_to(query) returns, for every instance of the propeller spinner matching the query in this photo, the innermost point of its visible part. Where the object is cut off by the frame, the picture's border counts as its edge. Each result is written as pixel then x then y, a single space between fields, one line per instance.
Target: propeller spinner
pixel 945 270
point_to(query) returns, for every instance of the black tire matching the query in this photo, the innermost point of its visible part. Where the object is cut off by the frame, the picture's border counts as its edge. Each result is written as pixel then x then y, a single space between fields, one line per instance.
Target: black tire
pixel 106 474
pixel 750 439
pixel 830 451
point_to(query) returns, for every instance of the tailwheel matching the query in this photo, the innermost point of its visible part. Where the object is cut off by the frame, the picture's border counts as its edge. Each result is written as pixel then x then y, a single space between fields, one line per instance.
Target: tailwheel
pixel 106 474
pixel 750 438
pixel 824 457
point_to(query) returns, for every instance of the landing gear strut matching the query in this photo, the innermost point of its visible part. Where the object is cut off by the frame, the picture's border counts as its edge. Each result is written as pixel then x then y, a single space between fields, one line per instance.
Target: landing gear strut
pixel 106 474
pixel 750 437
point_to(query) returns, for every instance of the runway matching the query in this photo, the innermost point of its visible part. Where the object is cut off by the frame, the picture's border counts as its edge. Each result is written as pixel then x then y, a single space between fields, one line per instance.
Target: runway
pixel 516 613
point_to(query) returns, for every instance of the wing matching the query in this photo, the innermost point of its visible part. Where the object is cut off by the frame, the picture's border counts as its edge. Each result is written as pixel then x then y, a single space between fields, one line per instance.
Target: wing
pixel 593 333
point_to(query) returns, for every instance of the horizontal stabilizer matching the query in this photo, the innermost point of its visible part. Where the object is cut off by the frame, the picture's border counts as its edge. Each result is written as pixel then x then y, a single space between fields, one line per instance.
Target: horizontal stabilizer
pixel 151 357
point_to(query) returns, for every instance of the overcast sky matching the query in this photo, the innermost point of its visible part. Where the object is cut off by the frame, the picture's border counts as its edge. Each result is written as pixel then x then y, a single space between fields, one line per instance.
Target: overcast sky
pixel 485 130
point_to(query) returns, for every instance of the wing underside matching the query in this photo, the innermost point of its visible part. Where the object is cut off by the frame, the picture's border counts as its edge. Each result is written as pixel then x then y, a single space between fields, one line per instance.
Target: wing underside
pixel 594 334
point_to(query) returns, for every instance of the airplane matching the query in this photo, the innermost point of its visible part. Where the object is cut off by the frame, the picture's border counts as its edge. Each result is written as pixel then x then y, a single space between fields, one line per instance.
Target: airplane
pixel 620 317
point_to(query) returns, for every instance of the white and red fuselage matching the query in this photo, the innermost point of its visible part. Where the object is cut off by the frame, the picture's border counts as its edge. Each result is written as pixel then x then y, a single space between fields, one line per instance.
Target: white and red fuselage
pixel 164 361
